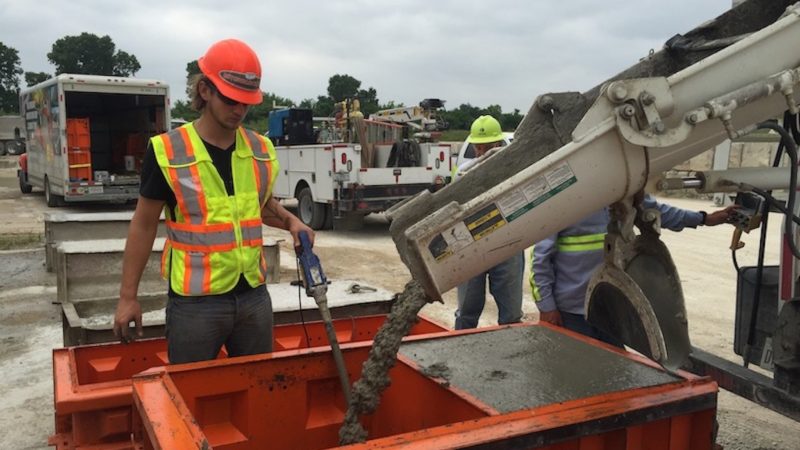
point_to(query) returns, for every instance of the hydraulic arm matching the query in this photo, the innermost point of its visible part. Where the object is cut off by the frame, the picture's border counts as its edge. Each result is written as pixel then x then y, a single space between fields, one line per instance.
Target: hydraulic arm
pixel 635 129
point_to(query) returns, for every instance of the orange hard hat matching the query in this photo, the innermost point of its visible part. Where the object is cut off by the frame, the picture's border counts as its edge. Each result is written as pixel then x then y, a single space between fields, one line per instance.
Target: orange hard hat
pixel 234 69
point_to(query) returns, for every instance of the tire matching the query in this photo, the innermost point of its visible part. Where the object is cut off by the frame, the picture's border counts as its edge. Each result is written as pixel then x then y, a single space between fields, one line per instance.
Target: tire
pixel 52 200
pixel 2 148
pixel 24 187
pixel 328 217
pixel 15 148
pixel 309 211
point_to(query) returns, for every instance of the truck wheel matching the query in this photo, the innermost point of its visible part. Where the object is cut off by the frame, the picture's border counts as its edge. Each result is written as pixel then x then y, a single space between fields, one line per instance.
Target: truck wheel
pixel 328 218
pixel 309 211
pixel 53 200
pixel 24 187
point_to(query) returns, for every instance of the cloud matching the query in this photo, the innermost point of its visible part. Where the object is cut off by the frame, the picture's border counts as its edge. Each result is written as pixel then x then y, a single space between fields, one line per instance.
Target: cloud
pixel 504 52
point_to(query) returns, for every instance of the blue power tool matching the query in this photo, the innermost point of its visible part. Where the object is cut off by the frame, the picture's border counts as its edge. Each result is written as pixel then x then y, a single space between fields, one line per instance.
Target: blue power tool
pixel 316 286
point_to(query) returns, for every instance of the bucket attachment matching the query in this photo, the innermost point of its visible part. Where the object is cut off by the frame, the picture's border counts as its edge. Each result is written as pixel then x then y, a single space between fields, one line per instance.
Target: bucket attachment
pixel 641 302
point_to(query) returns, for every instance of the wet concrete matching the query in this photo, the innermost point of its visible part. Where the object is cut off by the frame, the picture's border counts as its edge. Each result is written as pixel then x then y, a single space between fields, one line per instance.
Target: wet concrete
pixel 366 392
pixel 525 367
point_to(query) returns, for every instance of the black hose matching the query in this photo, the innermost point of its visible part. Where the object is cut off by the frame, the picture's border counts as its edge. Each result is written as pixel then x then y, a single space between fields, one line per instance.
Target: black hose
pixel 791 150
pixel 787 143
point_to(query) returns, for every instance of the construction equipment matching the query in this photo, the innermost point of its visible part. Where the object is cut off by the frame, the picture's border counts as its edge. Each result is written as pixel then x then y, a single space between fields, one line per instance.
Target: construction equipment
pixel 425 119
pixel 316 286
pixel 713 84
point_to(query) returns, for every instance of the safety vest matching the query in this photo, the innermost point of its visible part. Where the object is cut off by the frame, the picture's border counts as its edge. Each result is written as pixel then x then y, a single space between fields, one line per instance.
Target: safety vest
pixel 214 238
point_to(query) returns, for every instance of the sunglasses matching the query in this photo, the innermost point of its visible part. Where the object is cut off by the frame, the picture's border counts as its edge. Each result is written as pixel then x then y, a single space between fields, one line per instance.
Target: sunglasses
pixel 227 100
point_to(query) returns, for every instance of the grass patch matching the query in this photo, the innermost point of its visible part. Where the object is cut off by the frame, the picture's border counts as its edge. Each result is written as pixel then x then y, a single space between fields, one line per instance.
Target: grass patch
pixel 20 240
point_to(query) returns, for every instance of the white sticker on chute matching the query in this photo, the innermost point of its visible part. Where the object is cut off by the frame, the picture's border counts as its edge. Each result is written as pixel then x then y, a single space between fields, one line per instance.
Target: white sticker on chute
pixel 535 192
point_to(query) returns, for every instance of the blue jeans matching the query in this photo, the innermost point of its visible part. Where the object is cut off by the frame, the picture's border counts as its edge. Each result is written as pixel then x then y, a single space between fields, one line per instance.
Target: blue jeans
pixel 505 285
pixel 197 327
pixel 578 324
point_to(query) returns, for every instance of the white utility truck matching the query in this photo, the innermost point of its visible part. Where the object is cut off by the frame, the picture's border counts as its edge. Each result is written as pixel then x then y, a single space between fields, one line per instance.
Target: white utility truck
pixel 87 135
pixel 338 183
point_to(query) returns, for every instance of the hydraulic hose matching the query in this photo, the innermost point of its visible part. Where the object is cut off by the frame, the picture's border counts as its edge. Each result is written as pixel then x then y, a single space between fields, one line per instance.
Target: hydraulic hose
pixel 787 143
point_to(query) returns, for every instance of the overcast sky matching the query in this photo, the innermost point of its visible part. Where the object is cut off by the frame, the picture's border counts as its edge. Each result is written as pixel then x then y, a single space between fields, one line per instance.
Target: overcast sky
pixel 478 52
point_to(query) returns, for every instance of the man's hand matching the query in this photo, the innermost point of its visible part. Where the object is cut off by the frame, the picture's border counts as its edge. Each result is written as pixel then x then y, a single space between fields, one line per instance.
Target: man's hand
pixel 721 216
pixel 127 310
pixel 551 317
pixel 295 226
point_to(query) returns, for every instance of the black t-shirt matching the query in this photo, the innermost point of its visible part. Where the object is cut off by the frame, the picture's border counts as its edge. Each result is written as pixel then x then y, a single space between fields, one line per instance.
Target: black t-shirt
pixel 154 186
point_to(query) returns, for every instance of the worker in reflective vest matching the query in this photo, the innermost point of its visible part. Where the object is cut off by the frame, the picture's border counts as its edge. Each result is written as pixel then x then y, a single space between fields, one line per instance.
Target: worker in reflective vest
pixel 563 264
pixel 213 180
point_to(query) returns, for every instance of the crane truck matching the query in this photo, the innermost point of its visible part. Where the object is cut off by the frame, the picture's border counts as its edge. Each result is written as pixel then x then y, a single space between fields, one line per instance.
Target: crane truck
pixel 576 153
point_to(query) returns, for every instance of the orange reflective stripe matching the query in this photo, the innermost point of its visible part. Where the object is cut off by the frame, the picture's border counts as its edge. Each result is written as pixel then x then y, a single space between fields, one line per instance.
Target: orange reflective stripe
pixel 167 147
pixel 251 232
pixel 164 268
pixel 176 188
pixel 201 248
pixel 187 141
pixel 187 272
pixel 199 194
pixel 206 273
pixel 257 171
pixel 202 228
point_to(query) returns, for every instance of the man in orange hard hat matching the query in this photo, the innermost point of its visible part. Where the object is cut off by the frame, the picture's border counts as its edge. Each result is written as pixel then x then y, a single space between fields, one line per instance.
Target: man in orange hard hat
pixel 213 179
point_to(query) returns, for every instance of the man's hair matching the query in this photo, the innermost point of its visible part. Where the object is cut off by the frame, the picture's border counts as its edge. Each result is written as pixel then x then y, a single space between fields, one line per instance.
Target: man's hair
pixel 197 102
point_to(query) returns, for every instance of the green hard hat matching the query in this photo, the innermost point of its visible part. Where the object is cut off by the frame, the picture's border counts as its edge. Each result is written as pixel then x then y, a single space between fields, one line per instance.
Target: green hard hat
pixel 485 129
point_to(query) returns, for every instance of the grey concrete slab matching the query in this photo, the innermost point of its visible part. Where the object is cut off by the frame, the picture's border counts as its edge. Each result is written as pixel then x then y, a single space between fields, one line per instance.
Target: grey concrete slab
pixel 525 367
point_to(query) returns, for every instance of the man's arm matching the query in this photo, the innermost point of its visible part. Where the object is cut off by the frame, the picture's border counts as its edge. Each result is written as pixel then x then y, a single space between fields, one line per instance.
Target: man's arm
pixel 676 219
pixel 273 214
pixel 542 278
pixel 138 247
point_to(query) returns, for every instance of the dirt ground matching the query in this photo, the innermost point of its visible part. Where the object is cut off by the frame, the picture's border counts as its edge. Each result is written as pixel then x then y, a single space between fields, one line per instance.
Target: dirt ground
pixel 30 324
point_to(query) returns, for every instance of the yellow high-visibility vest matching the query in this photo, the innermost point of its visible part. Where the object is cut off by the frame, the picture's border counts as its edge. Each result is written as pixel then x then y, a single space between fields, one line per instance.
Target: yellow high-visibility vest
pixel 214 238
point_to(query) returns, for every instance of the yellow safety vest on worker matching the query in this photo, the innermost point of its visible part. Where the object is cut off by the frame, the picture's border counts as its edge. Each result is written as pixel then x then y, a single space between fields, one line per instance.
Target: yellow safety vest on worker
pixel 214 238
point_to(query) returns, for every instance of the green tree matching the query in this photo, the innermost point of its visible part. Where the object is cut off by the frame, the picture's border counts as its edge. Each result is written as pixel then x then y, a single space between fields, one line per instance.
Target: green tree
pixel 369 101
pixel 125 64
pixel 33 78
pixel 323 107
pixel 89 54
pixel 10 71
pixel 341 87
pixel 510 121
pixel 183 110
pixel 192 69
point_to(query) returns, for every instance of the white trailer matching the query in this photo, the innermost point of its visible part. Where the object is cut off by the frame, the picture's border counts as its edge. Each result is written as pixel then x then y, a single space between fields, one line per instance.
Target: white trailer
pixel 102 160
pixel 332 185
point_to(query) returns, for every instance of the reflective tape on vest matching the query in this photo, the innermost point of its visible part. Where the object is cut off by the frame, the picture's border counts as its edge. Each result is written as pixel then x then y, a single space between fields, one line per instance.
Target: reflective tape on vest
pixel 203 238
pixel 586 242
pixel 251 233
pixel 263 168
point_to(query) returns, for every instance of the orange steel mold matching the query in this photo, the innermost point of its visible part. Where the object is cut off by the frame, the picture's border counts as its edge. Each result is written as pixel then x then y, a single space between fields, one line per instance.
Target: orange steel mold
pixel 292 400
pixel 92 384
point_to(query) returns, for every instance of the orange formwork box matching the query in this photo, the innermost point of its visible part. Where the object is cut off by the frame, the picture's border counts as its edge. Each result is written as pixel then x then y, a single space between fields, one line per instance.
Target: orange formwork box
pixel 92 384
pixel 500 387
